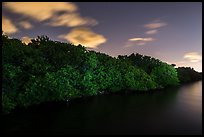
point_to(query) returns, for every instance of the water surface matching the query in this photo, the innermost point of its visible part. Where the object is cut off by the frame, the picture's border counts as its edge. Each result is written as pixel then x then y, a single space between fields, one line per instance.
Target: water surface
pixel 175 110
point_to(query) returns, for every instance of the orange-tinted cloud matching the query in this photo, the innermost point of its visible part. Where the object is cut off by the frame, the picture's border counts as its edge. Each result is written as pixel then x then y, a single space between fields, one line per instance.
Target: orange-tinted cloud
pixel 39 10
pixel 7 26
pixel 55 13
pixel 154 25
pixel 151 32
pixel 138 41
pixel 26 24
pixel 72 20
pixel 193 56
pixel 85 37
pixel 142 39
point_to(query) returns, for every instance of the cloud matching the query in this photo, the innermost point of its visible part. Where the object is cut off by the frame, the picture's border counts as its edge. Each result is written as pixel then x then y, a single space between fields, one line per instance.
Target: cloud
pixel 155 25
pixel 85 37
pixel 26 40
pixel 72 20
pixel 25 24
pixel 138 41
pixel 152 32
pixel 40 10
pixel 142 39
pixel 55 13
pixel 193 56
pixel 7 26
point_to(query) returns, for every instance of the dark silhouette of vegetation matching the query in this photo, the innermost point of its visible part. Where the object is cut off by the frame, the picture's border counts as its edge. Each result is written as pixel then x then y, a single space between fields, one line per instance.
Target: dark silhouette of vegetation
pixel 46 70
pixel 187 74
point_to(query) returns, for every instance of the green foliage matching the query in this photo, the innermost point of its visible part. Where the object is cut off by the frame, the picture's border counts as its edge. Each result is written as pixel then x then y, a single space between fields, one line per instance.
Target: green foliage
pixel 146 63
pixel 46 70
pixel 11 78
pixel 88 84
pixel 165 75
pixel 7 103
pixel 64 83
pixel 137 79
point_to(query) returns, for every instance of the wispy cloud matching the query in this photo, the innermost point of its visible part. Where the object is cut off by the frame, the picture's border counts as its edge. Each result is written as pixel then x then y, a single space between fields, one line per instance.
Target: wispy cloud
pixel 142 39
pixel 26 40
pixel 85 37
pixel 7 26
pixel 155 24
pixel 150 32
pixel 138 41
pixel 193 56
pixel 25 24
pixel 54 13
pixel 72 20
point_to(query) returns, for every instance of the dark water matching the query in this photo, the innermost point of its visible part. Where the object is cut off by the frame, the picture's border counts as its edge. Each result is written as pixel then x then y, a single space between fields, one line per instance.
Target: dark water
pixel 172 111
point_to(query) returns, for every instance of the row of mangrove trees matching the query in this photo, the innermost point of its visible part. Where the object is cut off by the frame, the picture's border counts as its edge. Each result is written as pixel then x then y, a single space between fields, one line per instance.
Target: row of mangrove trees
pixel 46 70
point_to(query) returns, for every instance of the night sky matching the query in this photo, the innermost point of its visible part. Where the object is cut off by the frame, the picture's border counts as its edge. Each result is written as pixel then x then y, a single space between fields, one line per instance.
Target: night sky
pixel 171 32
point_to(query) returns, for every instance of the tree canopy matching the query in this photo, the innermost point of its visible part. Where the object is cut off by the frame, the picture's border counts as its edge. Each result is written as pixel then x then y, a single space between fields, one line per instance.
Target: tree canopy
pixel 46 70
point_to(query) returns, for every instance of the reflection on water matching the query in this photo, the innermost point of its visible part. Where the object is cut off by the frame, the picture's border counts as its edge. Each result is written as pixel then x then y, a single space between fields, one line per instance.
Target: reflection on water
pixel 191 96
pixel 172 111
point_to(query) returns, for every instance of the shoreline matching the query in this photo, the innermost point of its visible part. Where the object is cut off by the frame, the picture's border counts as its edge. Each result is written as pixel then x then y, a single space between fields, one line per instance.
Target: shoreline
pixel 84 98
